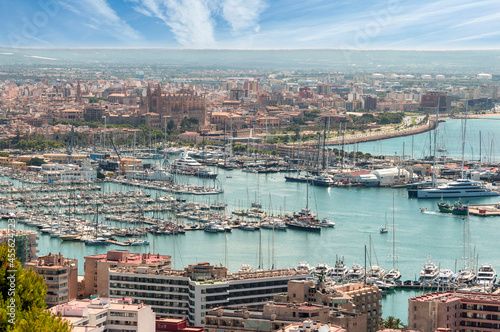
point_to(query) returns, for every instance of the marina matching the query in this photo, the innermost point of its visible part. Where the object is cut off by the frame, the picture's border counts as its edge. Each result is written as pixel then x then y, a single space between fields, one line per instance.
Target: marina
pixel 357 212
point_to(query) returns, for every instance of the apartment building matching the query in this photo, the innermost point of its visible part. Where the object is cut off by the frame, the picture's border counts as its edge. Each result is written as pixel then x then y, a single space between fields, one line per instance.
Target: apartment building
pixel 97 267
pixel 455 311
pixel 103 314
pixel 60 276
pixel 273 317
pixel 192 292
pixel 25 243
pixel 354 307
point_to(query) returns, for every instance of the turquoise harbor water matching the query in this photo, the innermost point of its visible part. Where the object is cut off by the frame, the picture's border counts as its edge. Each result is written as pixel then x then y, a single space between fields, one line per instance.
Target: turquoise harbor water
pixel 358 213
pixel 449 136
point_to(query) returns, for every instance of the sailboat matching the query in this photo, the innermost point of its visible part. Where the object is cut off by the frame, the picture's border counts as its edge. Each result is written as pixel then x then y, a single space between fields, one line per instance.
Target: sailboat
pixel 298 178
pixel 467 275
pixel 393 274
pixel 95 241
pixel 375 272
pixel 384 229
pixel 305 220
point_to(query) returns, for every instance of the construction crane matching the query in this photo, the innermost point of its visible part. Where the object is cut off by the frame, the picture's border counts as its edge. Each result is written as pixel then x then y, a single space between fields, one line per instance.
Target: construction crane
pixel 119 158
pixel 69 147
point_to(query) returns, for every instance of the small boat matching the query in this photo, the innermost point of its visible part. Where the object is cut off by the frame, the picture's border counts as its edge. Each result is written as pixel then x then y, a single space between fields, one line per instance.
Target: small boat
pixel 326 223
pixel 247 227
pixel 245 268
pixel 445 208
pixel 97 241
pixel 383 230
pixel 136 242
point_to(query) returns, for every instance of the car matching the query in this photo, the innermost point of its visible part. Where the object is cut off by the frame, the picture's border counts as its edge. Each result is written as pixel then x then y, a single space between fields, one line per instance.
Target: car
pixel 407 282
pixel 416 283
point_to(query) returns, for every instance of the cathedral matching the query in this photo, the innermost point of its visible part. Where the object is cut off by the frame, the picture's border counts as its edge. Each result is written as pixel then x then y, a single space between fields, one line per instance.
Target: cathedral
pixel 174 106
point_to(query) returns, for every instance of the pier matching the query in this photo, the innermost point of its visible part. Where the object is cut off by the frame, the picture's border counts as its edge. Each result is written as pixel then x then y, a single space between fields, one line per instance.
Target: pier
pixel 485 210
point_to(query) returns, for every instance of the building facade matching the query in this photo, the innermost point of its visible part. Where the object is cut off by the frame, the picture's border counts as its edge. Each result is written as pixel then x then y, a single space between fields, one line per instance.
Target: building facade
pixel 111 315
pixel 192 292
pixel 25 242
pixel 60 276
pixel 455 311
pixel 175 106
pixel 97 267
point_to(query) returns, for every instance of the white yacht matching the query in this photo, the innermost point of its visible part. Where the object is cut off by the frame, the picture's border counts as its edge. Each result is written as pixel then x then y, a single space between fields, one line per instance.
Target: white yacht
pixel 339 271
pixel 322 268
pixel 392 275
pixel 428 273
pixel 356 273
pixel 149 175
pixel 185 162
pixel 466 276
pixel 374 273
pixel 486 275
pixel 304 267
pixel 326 223
pixel 445 277
pixel 454 189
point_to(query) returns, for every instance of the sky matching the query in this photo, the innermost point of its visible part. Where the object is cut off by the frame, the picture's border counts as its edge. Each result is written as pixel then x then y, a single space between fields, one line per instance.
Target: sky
pixel 252 24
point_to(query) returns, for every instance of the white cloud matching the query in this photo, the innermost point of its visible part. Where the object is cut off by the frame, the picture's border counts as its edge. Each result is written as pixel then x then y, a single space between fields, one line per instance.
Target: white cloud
pixel 243 15
pixel 193 22
pixel 190 21
pixel 103 17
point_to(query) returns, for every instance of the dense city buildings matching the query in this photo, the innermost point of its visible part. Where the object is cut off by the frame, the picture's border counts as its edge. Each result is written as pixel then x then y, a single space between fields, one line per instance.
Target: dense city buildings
pixel 192 292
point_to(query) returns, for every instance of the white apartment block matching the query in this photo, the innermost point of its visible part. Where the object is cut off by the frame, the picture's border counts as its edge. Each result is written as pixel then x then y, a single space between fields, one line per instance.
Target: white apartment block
pixel 110 315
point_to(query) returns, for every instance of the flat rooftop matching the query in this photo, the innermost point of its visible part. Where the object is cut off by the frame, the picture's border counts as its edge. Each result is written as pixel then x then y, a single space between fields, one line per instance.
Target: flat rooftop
pixel 452 295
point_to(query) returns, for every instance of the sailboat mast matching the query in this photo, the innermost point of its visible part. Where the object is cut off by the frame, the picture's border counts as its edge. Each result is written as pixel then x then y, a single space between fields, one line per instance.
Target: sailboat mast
pixel 435 145
pixel 463 137
pixel 393 234
pixel 261 262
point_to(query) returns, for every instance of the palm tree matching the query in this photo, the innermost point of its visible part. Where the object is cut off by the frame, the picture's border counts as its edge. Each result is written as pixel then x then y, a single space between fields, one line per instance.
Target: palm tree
pixel 392 323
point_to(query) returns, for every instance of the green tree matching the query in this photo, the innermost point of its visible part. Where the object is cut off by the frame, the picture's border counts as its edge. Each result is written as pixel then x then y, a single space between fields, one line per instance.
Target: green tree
pixel 35 162
pixel 392 323
pixel 4 154
pixel 28 300
pixel 100 175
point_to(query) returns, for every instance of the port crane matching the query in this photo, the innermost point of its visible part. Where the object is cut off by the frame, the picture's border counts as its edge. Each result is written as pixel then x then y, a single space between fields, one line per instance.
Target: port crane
pixel 119 158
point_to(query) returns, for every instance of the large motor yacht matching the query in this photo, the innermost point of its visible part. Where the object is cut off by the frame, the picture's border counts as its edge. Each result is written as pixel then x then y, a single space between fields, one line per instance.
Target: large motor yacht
pixel 486 275
pixel 339 271
pixel 428 273
pixel 356 273
pixel 454 189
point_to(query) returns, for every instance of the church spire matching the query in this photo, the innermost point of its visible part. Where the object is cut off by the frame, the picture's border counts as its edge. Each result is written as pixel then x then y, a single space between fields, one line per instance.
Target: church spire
pixel 78 98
